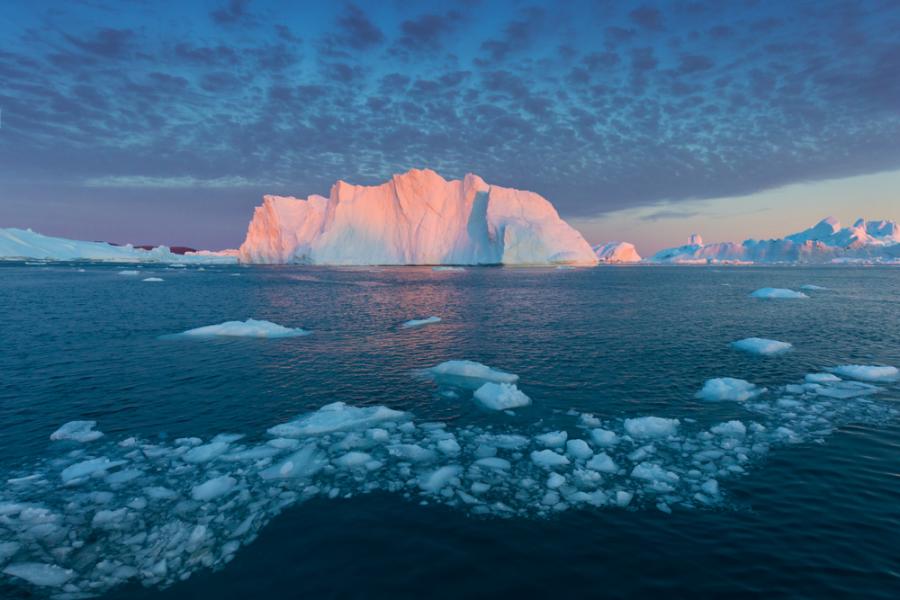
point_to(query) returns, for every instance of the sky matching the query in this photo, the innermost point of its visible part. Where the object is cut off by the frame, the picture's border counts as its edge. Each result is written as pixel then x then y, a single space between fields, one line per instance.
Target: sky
pixel 152 121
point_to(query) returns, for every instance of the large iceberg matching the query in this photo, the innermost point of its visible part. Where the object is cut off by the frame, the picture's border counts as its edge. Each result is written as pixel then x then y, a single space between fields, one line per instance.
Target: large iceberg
pixel 827 241
pixel 417 218
pixel 19 244
pixel 617 252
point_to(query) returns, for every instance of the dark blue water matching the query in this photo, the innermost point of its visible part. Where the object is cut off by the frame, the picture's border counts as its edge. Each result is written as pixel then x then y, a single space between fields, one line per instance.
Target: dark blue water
pixel 817 515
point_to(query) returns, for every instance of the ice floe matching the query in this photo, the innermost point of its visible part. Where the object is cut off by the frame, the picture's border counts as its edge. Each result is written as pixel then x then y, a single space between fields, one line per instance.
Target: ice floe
pixel 778 293
pixel 79 522
pixel 152 279
pixel 468 374
pixel 252 328
pixel 728 388
pixel 868 372
pixel 78 431
pixel 420 322
pixel 501 396
pixel 761 346
pixel 813 288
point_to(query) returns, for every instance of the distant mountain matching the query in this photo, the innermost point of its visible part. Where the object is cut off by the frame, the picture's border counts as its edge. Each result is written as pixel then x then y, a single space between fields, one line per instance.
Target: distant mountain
pixel 825 242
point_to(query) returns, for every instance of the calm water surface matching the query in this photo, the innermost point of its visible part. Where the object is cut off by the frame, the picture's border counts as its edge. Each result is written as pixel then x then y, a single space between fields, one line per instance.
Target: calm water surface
pixel 812 519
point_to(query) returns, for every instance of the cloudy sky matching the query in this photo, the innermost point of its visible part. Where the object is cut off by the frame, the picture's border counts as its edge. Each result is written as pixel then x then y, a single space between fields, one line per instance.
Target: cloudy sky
pixel 151 121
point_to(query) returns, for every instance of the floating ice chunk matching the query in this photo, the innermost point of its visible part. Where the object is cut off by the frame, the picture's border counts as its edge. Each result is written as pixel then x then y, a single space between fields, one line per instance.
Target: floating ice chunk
pixel 651 427
pixel 653 472
pixel 761 346
pixel 552 439
pixel 710 487
pixel 728 388
pixel 844 390
pixel 250 328
pixel 447 268
pixel 40 574
pixel 548 459
pixel 811 287
pixel 868 372
pixel 507 441
pixel 206 452
pixel 336 416
pixel 449 446
pixel 303 463
pixel 623 499
pixel 413 452
pixel 604 438
pixel 493 462
pixel 353 460
pixel 435 480
pixel 152 279
pixel 501 396
pixel 160 493
pixel 778 293
pixel 578 449
pixel 215 487
pixel 79 431
pixel 123 476
pixel 730 428
pixel 469 374
pixel 129 273
pixel 555 480
pixel 420 322
pixel 821 378
pixel 88 467
pixel 602 463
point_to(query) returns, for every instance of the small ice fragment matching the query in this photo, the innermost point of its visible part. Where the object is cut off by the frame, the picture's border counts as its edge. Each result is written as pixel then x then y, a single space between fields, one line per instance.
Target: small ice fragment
pixel 552 439
pixel 206 452
pixel 152 279
pixel 811 287
pixel 602 463
pixel 213 488
pixel 728 388
pixel 731 428
pixel 868 372
pixel 435 480
pixel 761 346
pixel 501 396
pixel 336 416
pixel 548 459
pixel 40 574
pixel 778 293
pixel 555 480
pixel 578 449
pixel 129 273
pixel 493 462
pixel 821 378
pixel 651 427
pixel 604 438
pixel 420 322
pixel 623 499
pixel 353 460
pixel 79 431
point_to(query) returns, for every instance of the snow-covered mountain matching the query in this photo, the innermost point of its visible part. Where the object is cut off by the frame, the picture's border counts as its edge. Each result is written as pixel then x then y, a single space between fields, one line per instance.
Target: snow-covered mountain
pixel 827 241
pixel 417 218
pixel 26 244
pixel 617 252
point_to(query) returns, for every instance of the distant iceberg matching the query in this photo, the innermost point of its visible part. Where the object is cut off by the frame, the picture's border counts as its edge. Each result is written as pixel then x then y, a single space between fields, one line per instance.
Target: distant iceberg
pixel 617 253
pixel 825 242
pixel 778 294
pixel 25 244
pixel 761 346
pixel 417 218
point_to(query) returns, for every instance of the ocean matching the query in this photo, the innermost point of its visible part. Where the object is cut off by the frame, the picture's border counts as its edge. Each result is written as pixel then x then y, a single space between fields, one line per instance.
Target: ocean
pixel 411 487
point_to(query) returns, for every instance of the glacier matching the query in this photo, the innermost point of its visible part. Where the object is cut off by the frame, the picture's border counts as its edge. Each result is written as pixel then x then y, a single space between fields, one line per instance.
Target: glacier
pixel 416 218
pixel 825 242
pixel 25 244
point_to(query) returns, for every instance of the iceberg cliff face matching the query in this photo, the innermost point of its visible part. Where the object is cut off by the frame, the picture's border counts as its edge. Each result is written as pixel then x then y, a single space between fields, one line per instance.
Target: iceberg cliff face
pixel 617 252
pixel 827 241
pixel 417 218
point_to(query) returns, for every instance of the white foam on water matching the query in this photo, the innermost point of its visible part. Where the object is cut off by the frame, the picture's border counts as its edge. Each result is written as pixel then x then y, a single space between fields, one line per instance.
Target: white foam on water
pixel 761 346
pixel 81 522
pixel 778 294
pixel 251 328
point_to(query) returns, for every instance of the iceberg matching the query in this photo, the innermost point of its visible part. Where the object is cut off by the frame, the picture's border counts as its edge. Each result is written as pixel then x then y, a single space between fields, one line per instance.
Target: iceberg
pixel 617 253
pixel 825 242
pixel 416 218
pixel 761 346
pixel 25 244
pixel 249 328
pixel 420 322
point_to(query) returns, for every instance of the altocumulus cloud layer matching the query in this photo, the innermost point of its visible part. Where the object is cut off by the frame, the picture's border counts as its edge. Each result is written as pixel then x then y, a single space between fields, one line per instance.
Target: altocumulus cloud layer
pixel 596 105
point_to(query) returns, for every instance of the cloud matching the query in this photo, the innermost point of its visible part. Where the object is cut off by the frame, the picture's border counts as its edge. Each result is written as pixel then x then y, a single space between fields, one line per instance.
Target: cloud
pixel 647 17
pixel 661 215
pixel 106 43
pixel 356 30
pixel 232 12
pixel 427 32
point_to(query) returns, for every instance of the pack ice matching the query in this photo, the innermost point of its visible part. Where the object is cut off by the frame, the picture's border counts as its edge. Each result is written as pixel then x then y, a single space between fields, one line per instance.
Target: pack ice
pixel 416 218
pixel 85 519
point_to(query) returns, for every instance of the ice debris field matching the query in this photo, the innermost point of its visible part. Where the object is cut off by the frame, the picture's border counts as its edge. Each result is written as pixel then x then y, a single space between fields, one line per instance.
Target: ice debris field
pixel 98 511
